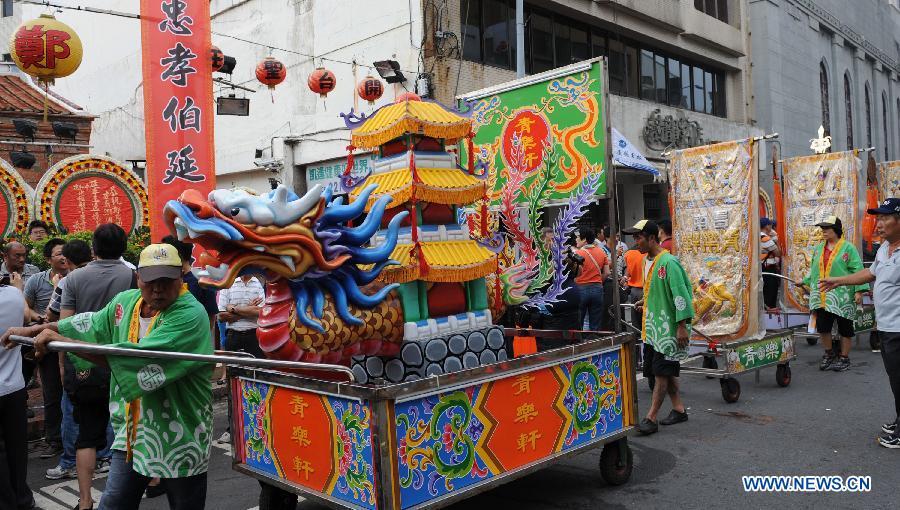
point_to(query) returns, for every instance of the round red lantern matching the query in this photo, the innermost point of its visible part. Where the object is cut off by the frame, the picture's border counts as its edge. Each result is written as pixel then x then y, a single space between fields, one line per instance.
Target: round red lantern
pixel 270 72
pixel 216 57
pixel 370 89
pixel 407 96
pixel 322 81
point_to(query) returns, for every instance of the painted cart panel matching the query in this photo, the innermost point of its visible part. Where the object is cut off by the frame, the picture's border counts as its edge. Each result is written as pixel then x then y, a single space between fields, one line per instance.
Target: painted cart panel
pixel 320 442
pixel 452 440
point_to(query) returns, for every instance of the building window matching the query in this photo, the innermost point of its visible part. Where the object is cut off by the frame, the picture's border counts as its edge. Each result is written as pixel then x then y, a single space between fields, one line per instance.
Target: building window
pixel 884 124
pixel 716 8
pixel 868 117
pixel 488 34
pixel 848 107
pixel 7 8
pixel 823 89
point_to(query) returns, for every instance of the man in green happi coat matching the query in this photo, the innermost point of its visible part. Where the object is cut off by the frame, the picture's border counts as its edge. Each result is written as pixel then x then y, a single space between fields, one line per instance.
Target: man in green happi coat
pixel 160 409
pixel 834 258
pixel 667 310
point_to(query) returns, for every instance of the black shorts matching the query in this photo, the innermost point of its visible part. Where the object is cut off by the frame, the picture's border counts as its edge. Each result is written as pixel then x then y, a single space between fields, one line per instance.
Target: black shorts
pixel 656 364
pixel 90 410
pixel 825 322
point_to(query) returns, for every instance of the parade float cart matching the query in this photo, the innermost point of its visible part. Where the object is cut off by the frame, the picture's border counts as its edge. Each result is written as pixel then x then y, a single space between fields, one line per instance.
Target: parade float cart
pixel 715 218
pixel 435 441
pixel 817 186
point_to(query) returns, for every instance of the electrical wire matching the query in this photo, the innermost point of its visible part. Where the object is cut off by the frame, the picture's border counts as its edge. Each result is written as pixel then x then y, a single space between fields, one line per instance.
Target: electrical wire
pixel 109 12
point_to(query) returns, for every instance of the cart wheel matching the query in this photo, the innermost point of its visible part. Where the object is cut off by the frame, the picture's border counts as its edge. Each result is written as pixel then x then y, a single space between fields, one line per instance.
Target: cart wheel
pixel 710 362
pixel 811 340
pixel 783 375
pixel 874 341
pixel 615 469
pixel 273 498
pixel 731 390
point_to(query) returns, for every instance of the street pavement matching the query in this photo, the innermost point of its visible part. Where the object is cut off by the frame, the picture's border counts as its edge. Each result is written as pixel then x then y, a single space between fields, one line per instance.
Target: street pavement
pixel 824 423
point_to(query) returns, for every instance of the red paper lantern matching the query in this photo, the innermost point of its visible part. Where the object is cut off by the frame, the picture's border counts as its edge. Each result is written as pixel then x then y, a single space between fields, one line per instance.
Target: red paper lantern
pixel 370 89
pixel 322 81
pixel 270 72
pixel 217 58
pixel 407 96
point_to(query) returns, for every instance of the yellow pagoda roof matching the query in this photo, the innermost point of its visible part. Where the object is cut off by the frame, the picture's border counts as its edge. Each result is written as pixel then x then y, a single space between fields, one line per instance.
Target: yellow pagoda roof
pixel 420 117
pixel 449 186
pixel 448 261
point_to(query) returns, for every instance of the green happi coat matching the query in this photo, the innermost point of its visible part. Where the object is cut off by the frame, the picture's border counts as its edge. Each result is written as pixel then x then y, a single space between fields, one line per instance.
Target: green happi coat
pixel 668 300
pixel 844 261
pixel 164 405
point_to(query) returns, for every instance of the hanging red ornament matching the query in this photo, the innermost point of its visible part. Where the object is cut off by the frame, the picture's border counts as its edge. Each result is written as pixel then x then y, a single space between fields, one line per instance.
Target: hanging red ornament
pixel 407 96
pixel 216 57
pixel 322 81
pixel 270 72
pixel 370 89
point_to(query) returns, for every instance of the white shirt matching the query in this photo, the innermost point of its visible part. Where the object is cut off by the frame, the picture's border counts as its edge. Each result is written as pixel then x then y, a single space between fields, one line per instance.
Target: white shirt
pixel 241 294
pixel 886 291
pixel 144 325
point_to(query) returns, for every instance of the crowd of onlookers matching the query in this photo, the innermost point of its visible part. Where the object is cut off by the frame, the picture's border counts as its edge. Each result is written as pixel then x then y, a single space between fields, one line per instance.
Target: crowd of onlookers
pixel 82 277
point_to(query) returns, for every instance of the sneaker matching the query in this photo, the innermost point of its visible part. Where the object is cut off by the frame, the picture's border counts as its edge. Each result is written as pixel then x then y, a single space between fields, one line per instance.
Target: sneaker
pixel 890 441
pixel 49 450
pixel 59 472
pixel 889 428
pixel 674 417
pixel 827 360
pixel 647 427
pixel 102 466
pixel 224 438
pixel 840 364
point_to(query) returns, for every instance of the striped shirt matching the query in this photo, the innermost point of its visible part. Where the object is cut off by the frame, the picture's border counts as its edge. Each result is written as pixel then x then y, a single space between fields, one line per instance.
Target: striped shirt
pixel 241 294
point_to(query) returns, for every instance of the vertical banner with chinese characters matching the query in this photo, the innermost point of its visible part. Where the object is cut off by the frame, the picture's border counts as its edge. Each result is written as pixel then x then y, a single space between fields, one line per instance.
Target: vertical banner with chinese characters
pixel 889 180
pixel 175 39
pixel 716 231
pixel 816 187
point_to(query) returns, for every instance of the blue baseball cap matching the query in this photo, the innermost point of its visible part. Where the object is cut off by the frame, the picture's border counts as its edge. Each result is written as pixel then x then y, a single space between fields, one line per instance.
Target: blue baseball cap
pixel 889 206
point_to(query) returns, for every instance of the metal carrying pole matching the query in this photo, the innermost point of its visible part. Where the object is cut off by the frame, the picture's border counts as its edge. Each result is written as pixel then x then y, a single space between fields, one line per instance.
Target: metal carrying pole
pixel 106 350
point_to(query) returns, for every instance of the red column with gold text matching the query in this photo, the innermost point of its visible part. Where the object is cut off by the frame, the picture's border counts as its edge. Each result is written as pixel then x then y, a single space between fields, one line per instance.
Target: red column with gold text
pixel 178 102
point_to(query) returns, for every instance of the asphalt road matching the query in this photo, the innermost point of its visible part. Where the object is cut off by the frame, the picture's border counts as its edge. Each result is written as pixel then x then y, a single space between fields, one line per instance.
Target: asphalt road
pixel 824 423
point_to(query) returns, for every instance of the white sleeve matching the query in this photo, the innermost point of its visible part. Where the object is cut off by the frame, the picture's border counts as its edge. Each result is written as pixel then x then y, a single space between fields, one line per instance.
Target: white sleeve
pixel 222 300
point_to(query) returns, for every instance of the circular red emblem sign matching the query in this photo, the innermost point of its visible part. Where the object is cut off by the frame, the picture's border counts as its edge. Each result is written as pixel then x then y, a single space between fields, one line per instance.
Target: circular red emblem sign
pixel 661 273
pixel 93 200
pixel 531 130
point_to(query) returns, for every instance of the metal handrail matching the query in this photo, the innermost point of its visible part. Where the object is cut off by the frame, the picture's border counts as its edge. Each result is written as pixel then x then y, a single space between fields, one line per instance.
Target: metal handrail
pixel 239 361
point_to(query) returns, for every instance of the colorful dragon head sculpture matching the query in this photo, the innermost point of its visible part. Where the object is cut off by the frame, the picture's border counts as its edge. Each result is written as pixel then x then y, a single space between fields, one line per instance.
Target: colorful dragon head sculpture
pixel 306 248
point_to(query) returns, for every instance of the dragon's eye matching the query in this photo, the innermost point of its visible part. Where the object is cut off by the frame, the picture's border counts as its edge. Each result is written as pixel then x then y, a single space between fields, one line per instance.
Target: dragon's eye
pixel 235 211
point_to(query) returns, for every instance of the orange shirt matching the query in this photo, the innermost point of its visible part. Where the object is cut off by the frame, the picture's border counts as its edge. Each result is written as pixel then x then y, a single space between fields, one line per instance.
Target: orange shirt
pixel 591 272
pixel 634 268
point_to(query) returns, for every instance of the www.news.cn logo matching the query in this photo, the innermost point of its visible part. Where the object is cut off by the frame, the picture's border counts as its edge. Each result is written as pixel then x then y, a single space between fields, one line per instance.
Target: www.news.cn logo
pixel 807 483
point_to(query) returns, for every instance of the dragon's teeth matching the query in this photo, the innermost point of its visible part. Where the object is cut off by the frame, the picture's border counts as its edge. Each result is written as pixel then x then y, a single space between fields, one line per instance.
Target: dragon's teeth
pixel 259 248
pixel 288 261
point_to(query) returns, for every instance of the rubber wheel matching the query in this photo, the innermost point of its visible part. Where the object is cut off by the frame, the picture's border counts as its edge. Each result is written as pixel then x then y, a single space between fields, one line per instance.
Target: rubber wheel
pixel 783 375
pixel 731 390
pixel 614 469
pixel 710 362
pixel 874 341
pixel 273 498
pixel 811 340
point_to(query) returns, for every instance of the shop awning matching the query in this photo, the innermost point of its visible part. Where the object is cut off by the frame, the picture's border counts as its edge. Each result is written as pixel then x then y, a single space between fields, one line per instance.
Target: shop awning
pixel 627 155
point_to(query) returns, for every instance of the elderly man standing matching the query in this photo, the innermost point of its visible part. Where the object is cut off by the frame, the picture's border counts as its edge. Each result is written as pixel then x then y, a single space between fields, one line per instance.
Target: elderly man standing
pixel 885 272
pixel 14 256
pixel 159 316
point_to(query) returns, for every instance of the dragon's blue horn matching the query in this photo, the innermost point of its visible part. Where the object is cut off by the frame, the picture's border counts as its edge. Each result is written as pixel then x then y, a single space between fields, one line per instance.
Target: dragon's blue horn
pixel 337 213
pixel 364 232
pixel 380 254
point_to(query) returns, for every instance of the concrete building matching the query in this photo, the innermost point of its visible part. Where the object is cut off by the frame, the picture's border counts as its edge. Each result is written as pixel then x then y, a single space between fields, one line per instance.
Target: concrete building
pixel 831 63
pixel 679 73
pixel 679 70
